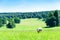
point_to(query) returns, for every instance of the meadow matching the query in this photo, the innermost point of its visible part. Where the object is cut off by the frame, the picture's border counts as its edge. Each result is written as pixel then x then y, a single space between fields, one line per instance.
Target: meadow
pixel 26 30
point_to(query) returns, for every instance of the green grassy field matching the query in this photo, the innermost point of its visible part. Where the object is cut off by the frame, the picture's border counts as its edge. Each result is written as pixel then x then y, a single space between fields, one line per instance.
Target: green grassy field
pixel 26 30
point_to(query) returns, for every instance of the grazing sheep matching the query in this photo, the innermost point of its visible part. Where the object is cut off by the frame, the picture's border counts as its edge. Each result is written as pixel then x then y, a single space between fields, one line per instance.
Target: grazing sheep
pixel 39 30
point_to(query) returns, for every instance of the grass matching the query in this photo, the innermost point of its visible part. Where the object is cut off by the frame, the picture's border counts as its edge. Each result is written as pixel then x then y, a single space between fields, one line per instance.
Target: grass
pixel 26 30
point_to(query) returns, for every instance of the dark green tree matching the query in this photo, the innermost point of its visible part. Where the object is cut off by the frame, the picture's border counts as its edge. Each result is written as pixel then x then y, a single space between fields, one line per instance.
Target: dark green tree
pixel 4 20
pixel 17 20
pixel 11 23
pixel 56 15
pixel 1 22
pixel 50 21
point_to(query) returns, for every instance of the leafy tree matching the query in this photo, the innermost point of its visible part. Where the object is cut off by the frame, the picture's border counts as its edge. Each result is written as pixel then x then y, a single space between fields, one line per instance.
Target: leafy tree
pixel 56 15
pixel 43 15
pixel 10 25
pixel 4 20
pixel 10 19
pixel 50 21
pixel 1 22
pixel 17 20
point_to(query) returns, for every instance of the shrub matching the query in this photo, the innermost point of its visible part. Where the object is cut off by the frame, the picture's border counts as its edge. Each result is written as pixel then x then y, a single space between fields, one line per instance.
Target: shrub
pixel 10 25
pixel 17 20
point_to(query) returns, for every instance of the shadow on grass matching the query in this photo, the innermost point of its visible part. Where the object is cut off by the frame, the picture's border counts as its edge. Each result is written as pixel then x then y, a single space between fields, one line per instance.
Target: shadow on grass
pixel 48 27
pixel 51 27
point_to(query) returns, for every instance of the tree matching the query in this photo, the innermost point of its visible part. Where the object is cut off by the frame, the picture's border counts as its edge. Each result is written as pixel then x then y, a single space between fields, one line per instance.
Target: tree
pixel 56 15
pixel 4 20
pixel 50 21
pixel 1 22
pixel 10 25
pixel 17 20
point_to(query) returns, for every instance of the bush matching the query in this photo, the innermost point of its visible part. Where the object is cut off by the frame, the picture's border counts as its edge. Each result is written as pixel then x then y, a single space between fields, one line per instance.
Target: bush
pixel 10 25
pixel 17 20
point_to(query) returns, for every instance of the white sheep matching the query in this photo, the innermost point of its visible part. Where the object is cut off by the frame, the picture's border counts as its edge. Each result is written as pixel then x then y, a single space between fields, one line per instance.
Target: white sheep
pixel 39 30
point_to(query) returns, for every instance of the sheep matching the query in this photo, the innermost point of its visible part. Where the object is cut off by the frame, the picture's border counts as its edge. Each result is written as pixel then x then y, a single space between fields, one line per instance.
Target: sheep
pixel 39 30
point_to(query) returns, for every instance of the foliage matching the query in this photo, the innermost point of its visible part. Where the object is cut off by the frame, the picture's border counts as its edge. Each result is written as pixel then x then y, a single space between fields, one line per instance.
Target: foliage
pixel 4 20
pixel 1 22
pixel 56 15
pixel 50 21
pixel 10 25
pixel 17 20
pixel 10 19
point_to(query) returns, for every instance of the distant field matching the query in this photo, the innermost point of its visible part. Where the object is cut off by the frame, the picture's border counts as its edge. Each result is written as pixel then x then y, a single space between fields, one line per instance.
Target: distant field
pixel 26 30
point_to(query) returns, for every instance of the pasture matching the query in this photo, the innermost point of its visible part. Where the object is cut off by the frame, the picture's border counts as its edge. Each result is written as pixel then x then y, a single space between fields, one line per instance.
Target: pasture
pixel 26 30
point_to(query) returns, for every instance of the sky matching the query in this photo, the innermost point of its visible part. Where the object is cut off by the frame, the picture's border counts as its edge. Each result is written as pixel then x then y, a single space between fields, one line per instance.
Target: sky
pixel 28 5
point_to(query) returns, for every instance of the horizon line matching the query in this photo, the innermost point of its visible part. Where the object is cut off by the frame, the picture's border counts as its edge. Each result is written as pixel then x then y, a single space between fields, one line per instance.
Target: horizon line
pixel 26 11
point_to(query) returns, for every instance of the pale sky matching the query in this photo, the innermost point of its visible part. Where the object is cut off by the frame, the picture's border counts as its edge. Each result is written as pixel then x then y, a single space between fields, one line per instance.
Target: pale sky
pixel 28 5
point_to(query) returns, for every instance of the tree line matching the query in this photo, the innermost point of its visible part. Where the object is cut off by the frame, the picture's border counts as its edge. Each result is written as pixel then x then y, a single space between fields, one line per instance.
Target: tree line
pixel 25 15
pixel 50 17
